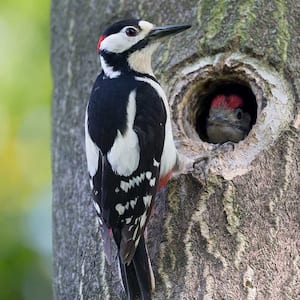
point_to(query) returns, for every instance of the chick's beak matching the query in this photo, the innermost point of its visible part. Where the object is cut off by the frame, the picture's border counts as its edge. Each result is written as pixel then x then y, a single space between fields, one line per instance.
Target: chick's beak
pixel 163 31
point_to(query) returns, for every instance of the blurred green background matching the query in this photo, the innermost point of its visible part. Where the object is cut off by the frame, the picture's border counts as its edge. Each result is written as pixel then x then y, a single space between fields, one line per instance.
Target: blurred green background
pixel 25 173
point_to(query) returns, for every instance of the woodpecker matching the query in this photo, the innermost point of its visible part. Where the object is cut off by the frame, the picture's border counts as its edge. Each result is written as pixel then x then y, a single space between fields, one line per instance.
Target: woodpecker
pixel 129 144
pixel 227 119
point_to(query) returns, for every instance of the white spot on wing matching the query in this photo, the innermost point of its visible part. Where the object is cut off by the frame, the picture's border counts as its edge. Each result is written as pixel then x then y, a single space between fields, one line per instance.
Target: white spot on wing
pixel 92 151
pixel 120 209
pixel 128 220
pixel 155 163
pixel 147 200
pixel 124 186
pixel 134 181
pixel 152 182
pixel 148 175
pixel 133 203
pixel 124 156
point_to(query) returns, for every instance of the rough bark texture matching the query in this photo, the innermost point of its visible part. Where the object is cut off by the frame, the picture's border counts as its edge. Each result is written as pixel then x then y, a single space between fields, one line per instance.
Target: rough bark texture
pixel 232 233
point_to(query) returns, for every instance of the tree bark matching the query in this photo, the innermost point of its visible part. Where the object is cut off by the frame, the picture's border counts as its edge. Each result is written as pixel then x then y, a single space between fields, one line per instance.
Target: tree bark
pixel 227 228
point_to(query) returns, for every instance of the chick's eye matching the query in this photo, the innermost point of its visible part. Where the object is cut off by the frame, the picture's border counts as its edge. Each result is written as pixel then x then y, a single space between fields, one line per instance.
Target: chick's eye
pixel 239 114
pixel 130 31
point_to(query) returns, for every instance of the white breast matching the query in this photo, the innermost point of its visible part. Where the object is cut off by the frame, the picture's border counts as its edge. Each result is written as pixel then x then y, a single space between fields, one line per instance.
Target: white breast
pixel 169 153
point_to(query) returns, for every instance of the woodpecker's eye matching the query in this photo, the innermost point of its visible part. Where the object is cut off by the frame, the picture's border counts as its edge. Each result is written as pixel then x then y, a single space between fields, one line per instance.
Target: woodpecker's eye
pixel 239 113
pixel 131 31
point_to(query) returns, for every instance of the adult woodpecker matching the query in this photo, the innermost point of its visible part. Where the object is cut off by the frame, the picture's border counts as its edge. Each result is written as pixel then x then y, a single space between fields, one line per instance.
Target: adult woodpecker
pixel 227 119
pixel 129 144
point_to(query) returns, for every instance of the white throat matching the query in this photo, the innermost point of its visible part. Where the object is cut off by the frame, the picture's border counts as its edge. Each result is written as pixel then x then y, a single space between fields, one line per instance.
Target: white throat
pixel 140 61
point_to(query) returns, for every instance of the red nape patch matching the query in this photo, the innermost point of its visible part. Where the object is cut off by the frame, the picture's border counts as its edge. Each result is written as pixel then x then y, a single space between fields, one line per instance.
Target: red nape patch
pixel 164 180
pixel 224 101
pixel 102 37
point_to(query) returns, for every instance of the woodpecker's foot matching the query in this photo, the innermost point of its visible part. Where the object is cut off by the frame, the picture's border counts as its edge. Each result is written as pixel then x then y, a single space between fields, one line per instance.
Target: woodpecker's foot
pixel 202 165
pixel 204 162
pixel 184 165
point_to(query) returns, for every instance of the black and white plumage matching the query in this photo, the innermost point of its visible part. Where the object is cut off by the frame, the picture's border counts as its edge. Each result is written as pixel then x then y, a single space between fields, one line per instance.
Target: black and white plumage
pixel 129 144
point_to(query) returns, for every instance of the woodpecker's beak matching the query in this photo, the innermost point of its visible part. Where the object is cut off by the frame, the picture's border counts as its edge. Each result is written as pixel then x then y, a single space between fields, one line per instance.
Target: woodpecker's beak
pixel 162 31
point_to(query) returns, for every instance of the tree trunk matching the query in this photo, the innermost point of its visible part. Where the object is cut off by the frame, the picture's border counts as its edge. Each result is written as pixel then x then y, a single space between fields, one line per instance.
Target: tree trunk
pixel 229 227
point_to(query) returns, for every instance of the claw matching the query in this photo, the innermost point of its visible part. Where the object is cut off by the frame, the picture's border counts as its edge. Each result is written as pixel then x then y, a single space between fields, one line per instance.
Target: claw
pixel 203 163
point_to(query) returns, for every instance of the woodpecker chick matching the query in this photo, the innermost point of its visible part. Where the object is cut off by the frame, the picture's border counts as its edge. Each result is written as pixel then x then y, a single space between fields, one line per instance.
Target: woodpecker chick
pixel 227 121
pixel 129 145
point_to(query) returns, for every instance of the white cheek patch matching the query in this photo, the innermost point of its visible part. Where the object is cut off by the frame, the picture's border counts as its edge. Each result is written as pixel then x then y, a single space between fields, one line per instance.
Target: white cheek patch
pixel 120 42
pixel 116 43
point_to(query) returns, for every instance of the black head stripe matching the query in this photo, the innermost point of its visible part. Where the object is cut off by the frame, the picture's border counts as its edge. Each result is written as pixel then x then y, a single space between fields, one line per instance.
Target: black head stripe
pixel 117 27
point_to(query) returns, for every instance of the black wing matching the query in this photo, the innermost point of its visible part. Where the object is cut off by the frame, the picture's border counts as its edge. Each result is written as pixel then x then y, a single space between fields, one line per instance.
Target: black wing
pixel 126 201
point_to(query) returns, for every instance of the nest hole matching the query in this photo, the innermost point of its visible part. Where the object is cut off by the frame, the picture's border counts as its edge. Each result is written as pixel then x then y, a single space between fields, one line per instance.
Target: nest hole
pixel 206 91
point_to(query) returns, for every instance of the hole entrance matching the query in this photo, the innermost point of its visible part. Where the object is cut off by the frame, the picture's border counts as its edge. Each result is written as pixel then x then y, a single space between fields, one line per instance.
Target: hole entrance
pixel 206 93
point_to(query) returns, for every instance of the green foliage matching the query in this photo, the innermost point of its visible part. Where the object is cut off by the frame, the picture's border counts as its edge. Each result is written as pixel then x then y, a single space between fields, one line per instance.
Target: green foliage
pixel 25 95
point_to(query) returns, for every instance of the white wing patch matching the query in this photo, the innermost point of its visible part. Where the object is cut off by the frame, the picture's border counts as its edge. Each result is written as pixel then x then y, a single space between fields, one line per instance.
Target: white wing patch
pixel 92 152
pixel 124 156
pixel 134 181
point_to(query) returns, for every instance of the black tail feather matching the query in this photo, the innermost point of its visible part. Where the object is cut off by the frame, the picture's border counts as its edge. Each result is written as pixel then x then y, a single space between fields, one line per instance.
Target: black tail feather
pixel 138 277
pixel 130 282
